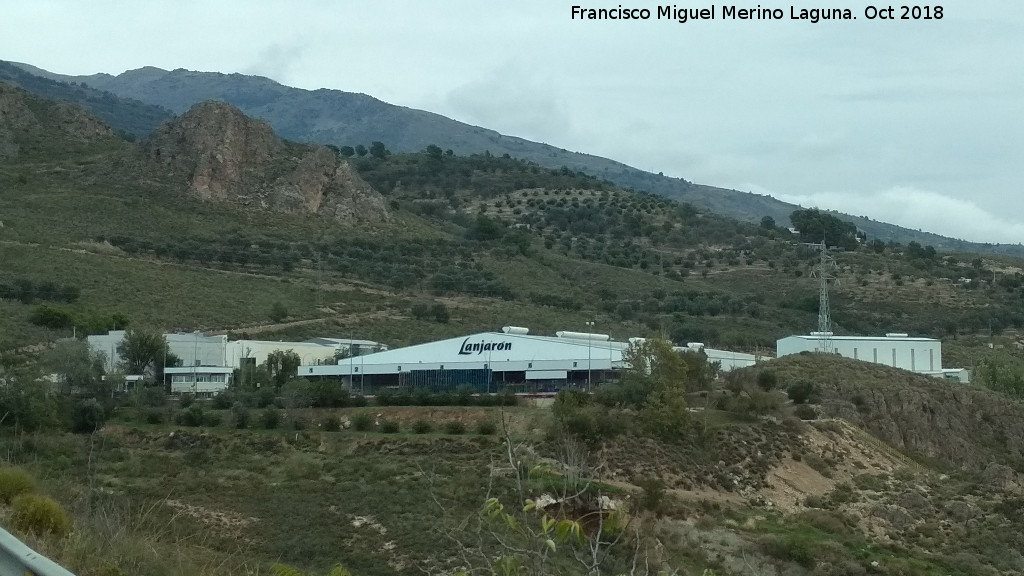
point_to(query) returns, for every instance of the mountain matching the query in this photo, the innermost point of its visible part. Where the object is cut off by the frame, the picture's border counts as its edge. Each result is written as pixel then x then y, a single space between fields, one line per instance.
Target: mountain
pixel 126 115
pixel 343 118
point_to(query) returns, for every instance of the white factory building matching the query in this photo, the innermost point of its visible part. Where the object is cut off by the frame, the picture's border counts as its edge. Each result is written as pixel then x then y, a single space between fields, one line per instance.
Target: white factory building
pixel 206 363
pixel 488 361
pixel 921 355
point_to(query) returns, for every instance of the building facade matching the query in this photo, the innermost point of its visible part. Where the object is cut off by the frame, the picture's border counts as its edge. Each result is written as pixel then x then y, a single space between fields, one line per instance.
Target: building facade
pixel 921 355
pixel 512 360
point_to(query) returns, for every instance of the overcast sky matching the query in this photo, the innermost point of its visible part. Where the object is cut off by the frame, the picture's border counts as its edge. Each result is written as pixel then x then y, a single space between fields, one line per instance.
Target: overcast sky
pixel 918 123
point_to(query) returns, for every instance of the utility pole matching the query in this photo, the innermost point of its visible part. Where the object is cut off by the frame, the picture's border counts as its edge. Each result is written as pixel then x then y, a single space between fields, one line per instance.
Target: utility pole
pixel 824 273
pixel 590 328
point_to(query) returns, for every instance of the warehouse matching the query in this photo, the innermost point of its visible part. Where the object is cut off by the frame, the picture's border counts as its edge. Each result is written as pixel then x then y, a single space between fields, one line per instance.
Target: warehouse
pixel 512 359
pixel 921 355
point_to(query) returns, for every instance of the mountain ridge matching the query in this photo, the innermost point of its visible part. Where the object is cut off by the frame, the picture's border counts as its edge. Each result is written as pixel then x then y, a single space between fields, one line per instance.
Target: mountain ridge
pixel 335 117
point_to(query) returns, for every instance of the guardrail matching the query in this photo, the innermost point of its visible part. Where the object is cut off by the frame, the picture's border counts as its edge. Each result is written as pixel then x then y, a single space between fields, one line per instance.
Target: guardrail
pixel 17 559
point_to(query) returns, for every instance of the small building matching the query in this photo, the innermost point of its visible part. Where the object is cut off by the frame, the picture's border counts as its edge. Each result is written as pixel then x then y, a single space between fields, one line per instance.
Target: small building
pixel 895 349
pixel 199 380
pixel 258 351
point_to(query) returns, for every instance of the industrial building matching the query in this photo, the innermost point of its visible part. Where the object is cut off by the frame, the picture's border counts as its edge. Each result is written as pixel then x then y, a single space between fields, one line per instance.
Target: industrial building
pixel 206 363
pixel 512 359
pixel 921 355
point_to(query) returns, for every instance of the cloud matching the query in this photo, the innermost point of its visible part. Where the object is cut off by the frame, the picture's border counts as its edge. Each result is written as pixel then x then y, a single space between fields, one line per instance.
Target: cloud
pixel 513 101
pixel 916 209
pixel 277 61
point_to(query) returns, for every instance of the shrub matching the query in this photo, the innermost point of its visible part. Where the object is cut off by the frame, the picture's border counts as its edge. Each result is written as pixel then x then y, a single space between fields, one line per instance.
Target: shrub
pixel 186 400
pixel 193 416
pixel 298 423
pixel 40 515
pixel 362 422
pixel 385 398
pixel 358 401
pixel 331 424
pixel 389 427
pixel 88 417
pixel 270 418
pixel 486 428
pixel 240 414
pixel 792 548
pixel 222 401
pixel 422 427
pixel 815 462
pixel 805 412
pixel 454 427
pixel 802 392
pixel 14 482
pixel 154 417
pixel 653 494
pixel 767 380
pixel 212 419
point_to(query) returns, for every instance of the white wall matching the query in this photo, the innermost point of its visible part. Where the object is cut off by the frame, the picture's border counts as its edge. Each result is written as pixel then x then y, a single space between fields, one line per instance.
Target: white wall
pixel 914 354
pixel 309 352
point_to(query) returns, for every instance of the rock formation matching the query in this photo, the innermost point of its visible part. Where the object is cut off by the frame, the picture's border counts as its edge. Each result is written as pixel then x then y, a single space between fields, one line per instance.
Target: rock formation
pixel 225 156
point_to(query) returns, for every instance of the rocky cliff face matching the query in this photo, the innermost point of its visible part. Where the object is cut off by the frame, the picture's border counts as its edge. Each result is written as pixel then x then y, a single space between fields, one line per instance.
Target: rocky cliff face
pixel 224 156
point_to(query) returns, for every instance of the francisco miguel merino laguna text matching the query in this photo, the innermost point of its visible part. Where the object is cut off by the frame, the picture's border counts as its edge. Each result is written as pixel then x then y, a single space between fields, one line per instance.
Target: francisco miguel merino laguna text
pixel 684 15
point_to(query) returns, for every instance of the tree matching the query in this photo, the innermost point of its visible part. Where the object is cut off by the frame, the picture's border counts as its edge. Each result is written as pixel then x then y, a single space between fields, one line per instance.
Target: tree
pixel 76 367
pixel 282 365
pixel 142 351
pixel 347 151
pixel 278 312
pixel 361 150
pixel 377 150
pixel 434 151
pixel 815 226
pixel 768 223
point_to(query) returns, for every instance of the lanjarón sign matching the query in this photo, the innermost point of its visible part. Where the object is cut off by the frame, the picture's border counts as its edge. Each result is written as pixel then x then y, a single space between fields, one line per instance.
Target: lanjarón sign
pixel 482 346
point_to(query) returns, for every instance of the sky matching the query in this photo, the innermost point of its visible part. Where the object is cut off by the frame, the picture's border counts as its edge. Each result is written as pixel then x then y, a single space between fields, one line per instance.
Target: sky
pixel 914 122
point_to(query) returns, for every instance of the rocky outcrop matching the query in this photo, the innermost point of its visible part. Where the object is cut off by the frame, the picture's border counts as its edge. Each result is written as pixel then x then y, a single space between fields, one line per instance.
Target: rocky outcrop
pixel 32 125
pixel 959 424
pixel 224 156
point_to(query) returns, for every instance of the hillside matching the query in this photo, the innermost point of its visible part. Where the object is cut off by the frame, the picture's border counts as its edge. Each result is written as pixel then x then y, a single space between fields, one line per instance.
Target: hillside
pixel 493 239
pixel 341 118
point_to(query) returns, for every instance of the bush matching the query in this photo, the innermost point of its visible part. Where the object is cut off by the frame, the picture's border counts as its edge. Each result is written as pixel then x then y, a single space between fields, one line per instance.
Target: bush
pixel 389 427
pixel 802 392
pixel 222 401
pixel 270 418
pixel 358 401
pixel 14 482
pixel 212 419
pixel 805 412
pixel 240 414
pixel 193 416
pixel 331 424
pixel 385 398
pixel 422 427
pixel 653 494
pixel 819 465
pixel 154 417
pixel 88 417
pixel 767 380
pixel 486 428
pixel 454 427
pixel 298 423
pixel 362 422
pixel 39 515
pixel 799 549
pixel 186 400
